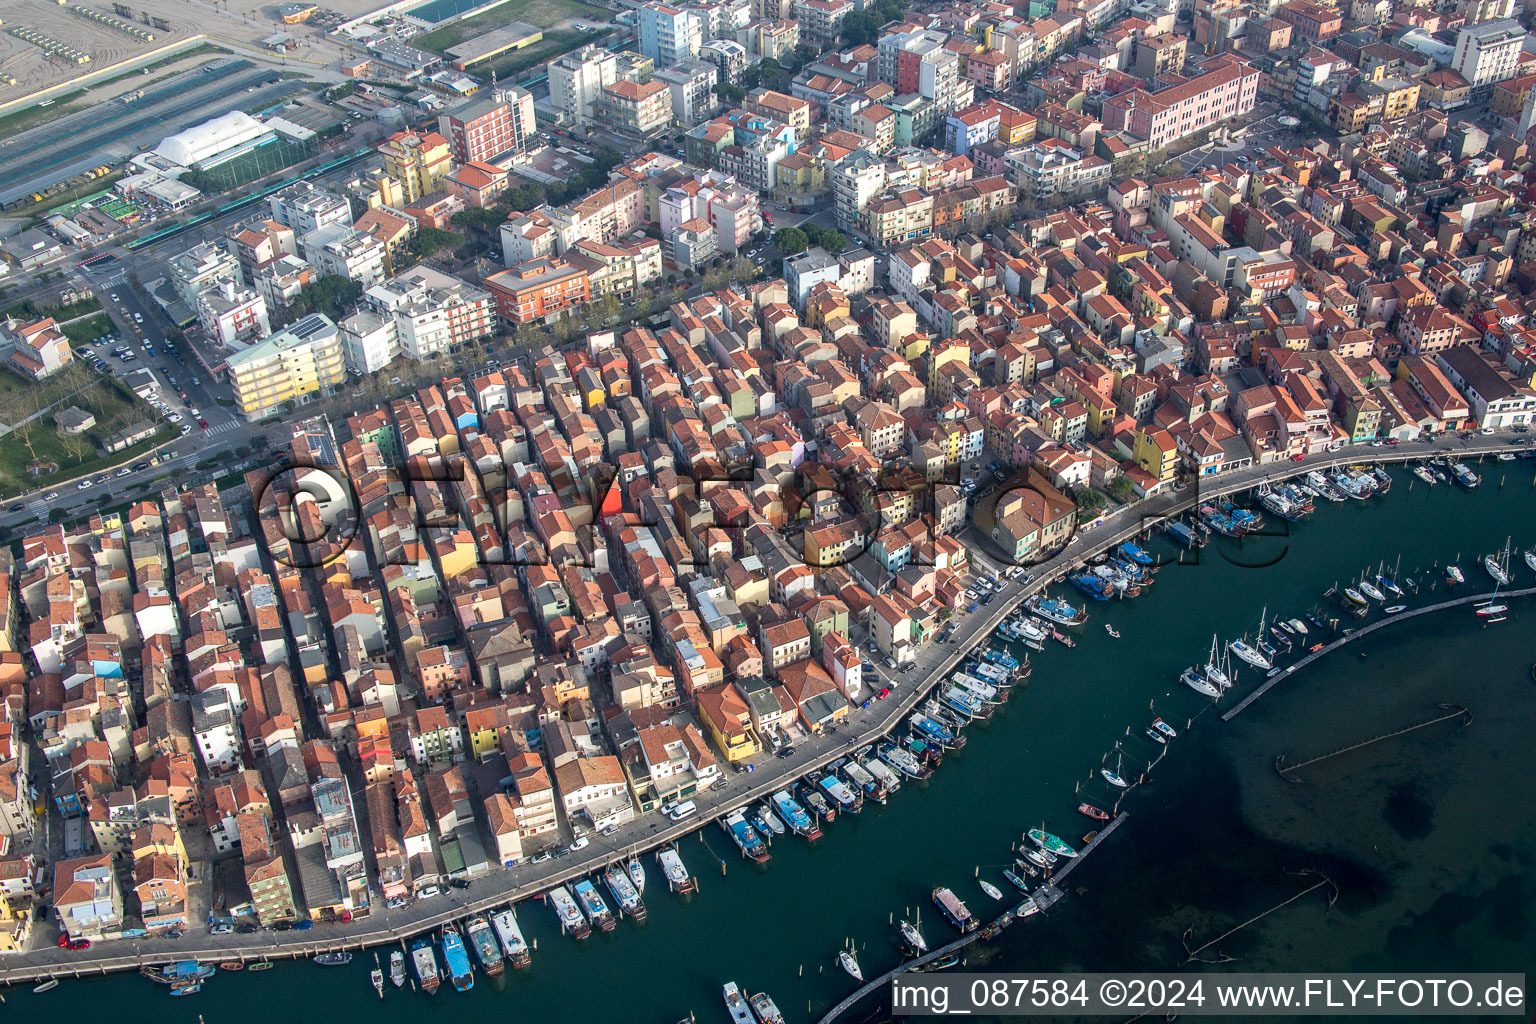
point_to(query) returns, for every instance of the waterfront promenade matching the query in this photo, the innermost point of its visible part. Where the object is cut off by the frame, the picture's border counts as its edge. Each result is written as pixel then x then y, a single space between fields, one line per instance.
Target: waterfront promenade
pixel 528 880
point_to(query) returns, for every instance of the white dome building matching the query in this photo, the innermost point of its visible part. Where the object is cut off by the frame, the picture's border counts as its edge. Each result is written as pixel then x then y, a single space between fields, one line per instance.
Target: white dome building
pixel 214 140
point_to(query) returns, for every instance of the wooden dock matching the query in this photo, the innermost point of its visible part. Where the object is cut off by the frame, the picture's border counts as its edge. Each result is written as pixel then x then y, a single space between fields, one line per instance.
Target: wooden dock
pixel 1404 616
pixel 1046 895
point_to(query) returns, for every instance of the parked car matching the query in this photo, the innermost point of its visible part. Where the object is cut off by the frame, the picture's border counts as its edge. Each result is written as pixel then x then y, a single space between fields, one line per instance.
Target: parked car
pixel 579 844
pixel 220 929
pixel 82 485
pixel 428 892
pixel 459 883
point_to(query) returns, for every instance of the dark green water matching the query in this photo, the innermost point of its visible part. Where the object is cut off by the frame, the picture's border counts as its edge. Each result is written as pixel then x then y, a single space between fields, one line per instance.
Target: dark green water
pixel 1429 837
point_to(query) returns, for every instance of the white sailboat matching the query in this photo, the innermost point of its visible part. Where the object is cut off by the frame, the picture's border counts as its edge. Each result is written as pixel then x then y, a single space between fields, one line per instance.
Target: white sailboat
pixel 1497 565
pixel 1213 668
pixel 635 871
pixel 914 936
pixel 850 963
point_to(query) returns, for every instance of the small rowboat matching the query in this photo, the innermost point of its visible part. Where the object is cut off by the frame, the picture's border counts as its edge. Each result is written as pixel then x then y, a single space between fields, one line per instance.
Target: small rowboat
pixel 264 965
pixel 1097 814
pixel 1112 631
pixel 231 965
pixel 47 986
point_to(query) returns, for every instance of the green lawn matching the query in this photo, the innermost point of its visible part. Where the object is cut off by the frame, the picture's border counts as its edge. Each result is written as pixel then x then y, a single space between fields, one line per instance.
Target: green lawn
pixel 541 13
pixel 87 331
pixel 113 405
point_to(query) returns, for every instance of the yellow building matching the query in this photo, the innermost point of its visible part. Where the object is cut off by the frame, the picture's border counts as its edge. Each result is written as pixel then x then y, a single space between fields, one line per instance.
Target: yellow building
pixel 950 350
pixel 728 720
pixel 303 360
pixel 420 162
pixel 798 179
pixel 1156 453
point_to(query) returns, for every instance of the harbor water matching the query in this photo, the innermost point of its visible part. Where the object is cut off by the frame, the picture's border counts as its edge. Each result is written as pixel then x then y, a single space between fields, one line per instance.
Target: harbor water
pixel 1429 837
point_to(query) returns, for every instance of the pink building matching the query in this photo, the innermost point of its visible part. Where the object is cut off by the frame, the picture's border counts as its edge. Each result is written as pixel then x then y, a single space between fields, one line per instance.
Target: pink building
pixel 1163 117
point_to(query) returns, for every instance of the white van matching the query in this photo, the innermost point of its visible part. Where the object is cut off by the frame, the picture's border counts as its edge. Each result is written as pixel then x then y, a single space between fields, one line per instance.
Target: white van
pixel 686 809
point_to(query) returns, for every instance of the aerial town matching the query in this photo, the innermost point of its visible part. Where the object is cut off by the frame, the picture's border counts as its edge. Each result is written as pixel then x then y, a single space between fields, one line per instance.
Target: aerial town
pixel 628 423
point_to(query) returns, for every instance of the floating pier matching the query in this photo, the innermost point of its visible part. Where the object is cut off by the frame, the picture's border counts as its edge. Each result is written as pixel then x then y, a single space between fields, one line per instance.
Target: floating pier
pixel 1046 896
pixel 1411 613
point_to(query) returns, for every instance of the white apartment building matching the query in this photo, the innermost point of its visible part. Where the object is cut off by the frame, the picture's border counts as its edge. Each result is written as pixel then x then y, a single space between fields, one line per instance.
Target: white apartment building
pixel 576 79
pixel 1049 168
pixel 228 313
pixel 202 266
pixel 856 180
pixel 1487 54
pixel 307 208
pixel 345 251
pixel 668 34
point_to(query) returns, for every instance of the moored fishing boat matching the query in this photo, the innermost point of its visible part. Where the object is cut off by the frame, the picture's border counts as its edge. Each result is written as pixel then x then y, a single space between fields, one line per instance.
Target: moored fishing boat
pixel 1057 611
pixel 765 1008
pixel 934 732
pixel 795 816
pixel 477 932
pixel 593 906
pixel 1091 584
pixel 736 1004
pixel 745 837
pixel 954 910
pixel 1164 728
pixel 773 821
pixel 882 771
pixel 1042 859
pixel 456 960
pixel 859 776
pixel 849 800
pixel 675 871
pixel 1090 811
pixel 424 959
pixel 903 760
pixel 397 969
pixel 1135 553
pixel 513 946
pixel 1015 881
pixel 818 804
pixel 572 922
pixel 1184 536
pixel 340 959
pixel 622 887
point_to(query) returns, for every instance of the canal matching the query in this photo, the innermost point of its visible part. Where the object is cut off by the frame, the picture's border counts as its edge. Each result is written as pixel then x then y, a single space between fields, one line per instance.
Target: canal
pixel 1429 837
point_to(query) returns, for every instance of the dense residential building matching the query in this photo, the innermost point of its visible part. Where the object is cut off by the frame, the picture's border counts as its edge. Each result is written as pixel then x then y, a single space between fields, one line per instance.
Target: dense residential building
pixel 576 79
pixel 418 161
pixel 1228 90
pixel 491 129
pixel 303 360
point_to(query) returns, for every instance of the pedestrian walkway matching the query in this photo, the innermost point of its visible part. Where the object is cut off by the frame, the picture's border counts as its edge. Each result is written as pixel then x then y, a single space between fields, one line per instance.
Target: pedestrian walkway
pixel 222 428
pixel 38 508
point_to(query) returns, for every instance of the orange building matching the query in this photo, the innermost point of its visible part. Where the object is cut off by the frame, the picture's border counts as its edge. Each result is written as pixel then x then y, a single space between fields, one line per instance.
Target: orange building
pixel 538 290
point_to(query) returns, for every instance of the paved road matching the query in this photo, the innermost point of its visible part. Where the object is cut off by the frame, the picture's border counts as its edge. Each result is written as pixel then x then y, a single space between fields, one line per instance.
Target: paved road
pixel 864 725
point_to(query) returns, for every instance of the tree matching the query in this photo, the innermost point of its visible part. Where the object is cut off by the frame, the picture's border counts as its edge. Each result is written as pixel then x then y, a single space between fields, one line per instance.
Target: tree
pixel 791 240
pixel 524 197
pixel 1122 488
pixel 609 309
pixel 1089 502
pixel 331 295
pixel 643 303
pixel 833 241
pixel 475 217
pixel 430 241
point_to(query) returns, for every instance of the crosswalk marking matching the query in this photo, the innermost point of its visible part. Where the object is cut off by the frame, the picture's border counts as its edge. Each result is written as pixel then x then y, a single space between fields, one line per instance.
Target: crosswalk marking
pixel 38 508
pixel 222 428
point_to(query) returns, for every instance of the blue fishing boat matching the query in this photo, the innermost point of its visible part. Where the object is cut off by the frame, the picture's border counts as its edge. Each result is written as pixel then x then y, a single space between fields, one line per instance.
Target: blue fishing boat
pixel 1094 586
pixel 848 799
pixel 460 973
pixel 592 905
pixel 795 816
pixel 1058 611
pixel 1007 661
pixel 1135 554
pixel 1184 536
pixel 929 729
pixel 1219 522
pixel 745 837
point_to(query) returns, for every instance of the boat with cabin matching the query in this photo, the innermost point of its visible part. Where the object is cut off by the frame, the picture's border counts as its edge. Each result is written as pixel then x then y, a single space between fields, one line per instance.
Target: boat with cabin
pixel 1054 844
pixel 913 937
pixel 622 887
pixel 513 946
pixel 773 821
pixel 593 906
pixel 456 961
pixel 903 761
pixel 477 930
pixel 1058 611
pixel 736 1004
pixel 397 969
pixel 569 912
pixel 1131 551
pixel 1164 728
pixel 424 960
pixel 860 777
pixel 745 837
pixel 675 871
pixel 819 805
pixel 849 801
pixel 928 729
pixel 1093 585
pixel 1249 654
pixel 1184 536
pixel 1192 678
pixel 882 771
pixel 765 1008
pixel 954 910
